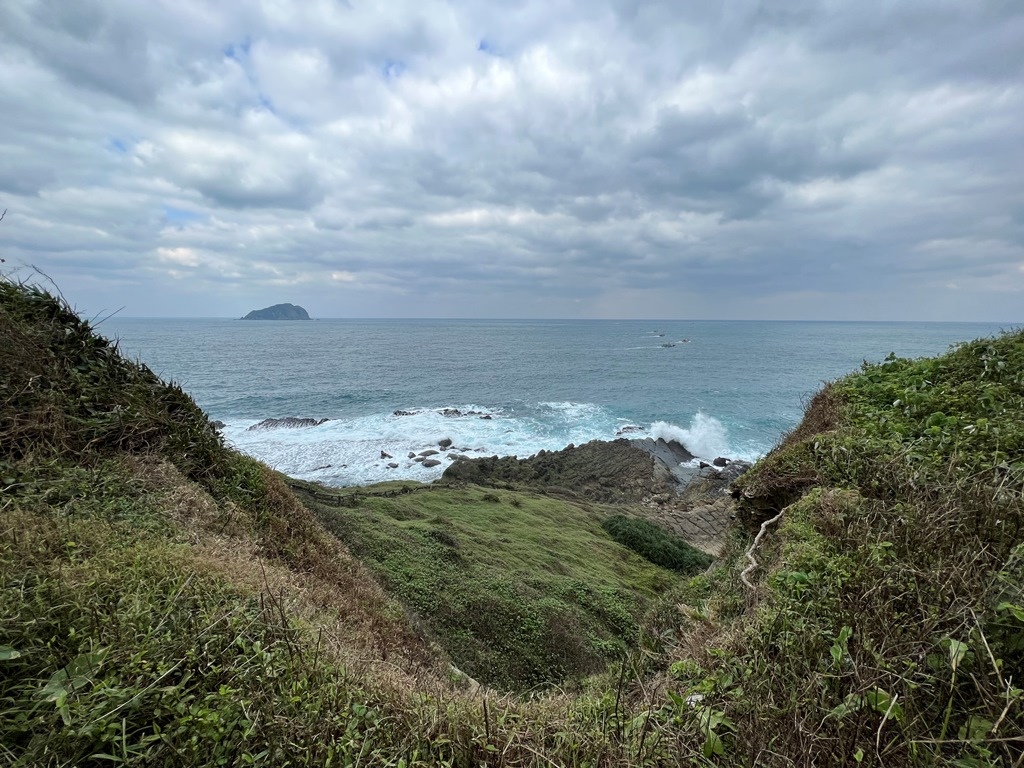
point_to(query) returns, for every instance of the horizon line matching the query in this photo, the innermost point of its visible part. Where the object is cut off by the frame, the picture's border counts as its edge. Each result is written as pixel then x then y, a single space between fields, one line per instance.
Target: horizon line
pixel 570 319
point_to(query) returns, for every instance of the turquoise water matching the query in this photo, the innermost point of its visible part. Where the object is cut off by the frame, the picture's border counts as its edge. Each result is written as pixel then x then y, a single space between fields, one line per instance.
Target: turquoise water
pixel 732 389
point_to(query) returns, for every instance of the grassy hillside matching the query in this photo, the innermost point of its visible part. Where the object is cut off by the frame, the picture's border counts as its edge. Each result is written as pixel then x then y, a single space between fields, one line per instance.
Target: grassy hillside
pixel 884 622
pixel 157 589
pixel 167 601
pixel 522 590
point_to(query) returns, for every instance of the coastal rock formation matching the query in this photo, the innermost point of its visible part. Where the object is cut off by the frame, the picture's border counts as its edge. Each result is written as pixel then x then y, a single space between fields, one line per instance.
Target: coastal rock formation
pixel 670 453
pixel 278 312
pixel 288 422
pixel 455 413
pixel 598 470
pixel 657 476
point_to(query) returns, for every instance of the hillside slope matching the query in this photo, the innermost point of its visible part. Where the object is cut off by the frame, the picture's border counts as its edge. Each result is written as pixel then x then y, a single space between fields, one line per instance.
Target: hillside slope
pixel 882 618
pixel 167 601
pixel 156 585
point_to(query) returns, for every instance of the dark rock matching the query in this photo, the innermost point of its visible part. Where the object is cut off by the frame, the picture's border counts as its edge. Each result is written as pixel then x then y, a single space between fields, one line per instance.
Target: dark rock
pixel 418 458
pixel 628 429
pixel 429 452
pixel 392 465
pixel 455 413
pixel 486 417
pixel 431 463
pixel 278 312
pixel 445 443
pixel 385 455
pixel 317 469
pixel 412 455
pixel 704 465
pixel 711 483
pixel 288 422
pixel 671 453
pixel 218 424
pixel 734 470
pixel 598 470
pixel 721 461
pixel 403 413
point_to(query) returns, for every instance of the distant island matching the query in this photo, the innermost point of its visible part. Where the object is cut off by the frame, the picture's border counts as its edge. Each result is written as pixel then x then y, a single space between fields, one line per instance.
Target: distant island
pixel 278 312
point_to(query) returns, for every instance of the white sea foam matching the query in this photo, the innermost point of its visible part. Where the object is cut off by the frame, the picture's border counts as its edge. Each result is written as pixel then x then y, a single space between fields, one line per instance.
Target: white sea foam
pixel 706 437
pixel 348 451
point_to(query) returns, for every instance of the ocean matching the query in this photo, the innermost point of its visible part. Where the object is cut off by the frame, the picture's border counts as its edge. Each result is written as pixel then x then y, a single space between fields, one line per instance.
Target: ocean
pixel 506 387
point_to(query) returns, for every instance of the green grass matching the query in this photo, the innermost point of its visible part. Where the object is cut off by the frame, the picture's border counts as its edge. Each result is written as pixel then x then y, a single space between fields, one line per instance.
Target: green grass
pixel 520 589
pixel 167 601
pixel 887 622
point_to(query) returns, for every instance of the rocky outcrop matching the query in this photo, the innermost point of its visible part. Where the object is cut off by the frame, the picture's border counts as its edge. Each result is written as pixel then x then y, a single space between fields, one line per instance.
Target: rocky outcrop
pixel 598 470
pixel 455 413
pixel 670 453
pixel 288 422
pixel 656 477
pixel 278 312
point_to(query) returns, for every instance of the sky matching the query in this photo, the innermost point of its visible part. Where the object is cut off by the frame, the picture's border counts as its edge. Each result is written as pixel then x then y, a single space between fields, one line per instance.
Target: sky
pixel 820 159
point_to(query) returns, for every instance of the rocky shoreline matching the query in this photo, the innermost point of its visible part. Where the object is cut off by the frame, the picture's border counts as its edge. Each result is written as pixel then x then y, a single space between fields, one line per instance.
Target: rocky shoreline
pixel 658 478
pixel 655 477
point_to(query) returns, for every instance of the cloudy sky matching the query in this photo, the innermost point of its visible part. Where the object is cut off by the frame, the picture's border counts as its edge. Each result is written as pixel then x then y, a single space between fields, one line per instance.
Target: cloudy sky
pixel 827 159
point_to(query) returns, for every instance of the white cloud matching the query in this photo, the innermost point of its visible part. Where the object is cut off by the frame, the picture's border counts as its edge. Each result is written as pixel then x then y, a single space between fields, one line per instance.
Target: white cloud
pixel 549 159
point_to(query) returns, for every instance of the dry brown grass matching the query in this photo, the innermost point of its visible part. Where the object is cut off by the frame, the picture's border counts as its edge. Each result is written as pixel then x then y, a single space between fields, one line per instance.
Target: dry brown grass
pixel 308 573
pixel 822 414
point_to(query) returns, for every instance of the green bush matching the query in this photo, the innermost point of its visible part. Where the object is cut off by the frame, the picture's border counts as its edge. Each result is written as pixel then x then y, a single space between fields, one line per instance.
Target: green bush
pixel 656 544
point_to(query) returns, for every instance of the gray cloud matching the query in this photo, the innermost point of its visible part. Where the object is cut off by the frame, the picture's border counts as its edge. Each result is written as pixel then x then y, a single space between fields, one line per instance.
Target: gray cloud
pixel 596 159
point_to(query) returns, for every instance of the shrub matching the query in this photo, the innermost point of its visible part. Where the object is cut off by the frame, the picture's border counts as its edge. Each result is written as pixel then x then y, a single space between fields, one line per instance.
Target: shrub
pixel 656 544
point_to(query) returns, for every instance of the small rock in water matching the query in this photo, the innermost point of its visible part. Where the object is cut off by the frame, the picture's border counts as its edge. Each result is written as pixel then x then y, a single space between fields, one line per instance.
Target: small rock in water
pixel 721 462
pixel 218 424
pixel 486 417
pixel 418 458
pixel 403 413
pixel 393 465
pixel 429 452
pixel 412 455
pixel 288 422
pixel 446 443
pixel 325 466
pixel 385 455
pixel 704 465
pixel 431 463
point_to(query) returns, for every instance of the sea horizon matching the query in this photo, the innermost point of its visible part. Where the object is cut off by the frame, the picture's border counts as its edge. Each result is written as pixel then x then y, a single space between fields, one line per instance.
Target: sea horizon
pixel 398 386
